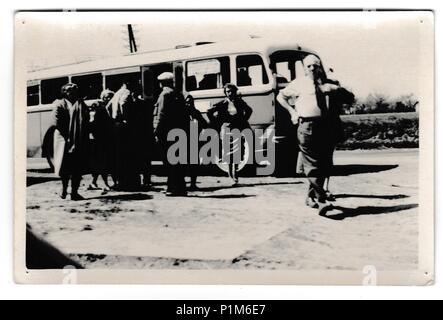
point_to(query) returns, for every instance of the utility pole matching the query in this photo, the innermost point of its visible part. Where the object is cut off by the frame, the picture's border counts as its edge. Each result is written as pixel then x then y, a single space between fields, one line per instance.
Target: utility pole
pixel 132 44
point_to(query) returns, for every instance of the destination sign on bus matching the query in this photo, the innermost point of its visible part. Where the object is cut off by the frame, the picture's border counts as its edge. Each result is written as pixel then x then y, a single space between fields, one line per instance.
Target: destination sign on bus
pixel 211 66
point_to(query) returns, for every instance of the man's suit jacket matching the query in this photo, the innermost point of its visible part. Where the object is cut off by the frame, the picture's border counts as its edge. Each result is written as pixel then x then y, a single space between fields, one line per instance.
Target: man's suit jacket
pixel 170 113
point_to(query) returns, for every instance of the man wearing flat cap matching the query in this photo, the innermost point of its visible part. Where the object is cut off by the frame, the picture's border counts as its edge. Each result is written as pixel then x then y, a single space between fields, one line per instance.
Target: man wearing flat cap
pixel 306 99
pixel 170 114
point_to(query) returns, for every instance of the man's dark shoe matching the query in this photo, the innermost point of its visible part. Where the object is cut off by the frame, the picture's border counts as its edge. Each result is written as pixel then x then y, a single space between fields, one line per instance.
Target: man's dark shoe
pixel 115 187
pixel 63 195
pixel 146 186
pixel 329 196
pixel 76 197
pixel 311 202
pixel 176 194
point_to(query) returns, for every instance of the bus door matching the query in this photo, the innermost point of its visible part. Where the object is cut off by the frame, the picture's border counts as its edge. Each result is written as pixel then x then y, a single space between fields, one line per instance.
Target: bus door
pixel 178 75
pixel 253 82
pixel 151 86
pixel 286 66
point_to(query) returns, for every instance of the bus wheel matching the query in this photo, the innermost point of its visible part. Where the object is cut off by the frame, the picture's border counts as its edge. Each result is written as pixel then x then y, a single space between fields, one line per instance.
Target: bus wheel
pixel 224 166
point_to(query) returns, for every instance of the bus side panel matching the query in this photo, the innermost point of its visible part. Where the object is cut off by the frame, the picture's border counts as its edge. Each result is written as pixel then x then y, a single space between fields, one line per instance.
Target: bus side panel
pixel 33 135
pixel 262 109
pixel 45 122
pixel 203 104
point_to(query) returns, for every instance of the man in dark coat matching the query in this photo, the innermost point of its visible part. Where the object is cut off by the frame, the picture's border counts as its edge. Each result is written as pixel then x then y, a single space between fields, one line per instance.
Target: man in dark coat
pixel 70 119
pixel 124 108
pixel 196 119
pixel 145 140
pixel 336 99
pixel 171 114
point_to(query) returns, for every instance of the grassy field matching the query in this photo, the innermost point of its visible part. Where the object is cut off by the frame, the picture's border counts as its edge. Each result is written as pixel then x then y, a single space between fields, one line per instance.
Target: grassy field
pixel 378 131
pixel 388 117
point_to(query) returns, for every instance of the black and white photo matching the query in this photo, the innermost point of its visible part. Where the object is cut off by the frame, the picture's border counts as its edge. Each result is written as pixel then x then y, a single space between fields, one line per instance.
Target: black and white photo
pixel 224 147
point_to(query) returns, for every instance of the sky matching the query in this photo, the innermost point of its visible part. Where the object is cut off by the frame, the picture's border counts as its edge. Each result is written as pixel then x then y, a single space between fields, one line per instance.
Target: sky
pixel 370 52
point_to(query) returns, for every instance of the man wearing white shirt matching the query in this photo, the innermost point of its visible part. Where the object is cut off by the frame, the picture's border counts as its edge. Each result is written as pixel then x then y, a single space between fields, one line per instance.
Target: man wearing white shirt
pixel 306 101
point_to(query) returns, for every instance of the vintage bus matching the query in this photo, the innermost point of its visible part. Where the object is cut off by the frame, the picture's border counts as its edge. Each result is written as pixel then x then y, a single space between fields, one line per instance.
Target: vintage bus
pixel 258 67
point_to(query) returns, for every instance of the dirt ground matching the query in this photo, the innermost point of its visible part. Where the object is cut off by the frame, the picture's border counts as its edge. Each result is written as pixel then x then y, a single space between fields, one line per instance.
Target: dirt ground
pixel 262 223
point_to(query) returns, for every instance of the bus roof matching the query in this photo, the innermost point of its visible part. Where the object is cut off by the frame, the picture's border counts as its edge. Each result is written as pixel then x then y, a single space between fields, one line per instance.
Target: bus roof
pixel 260 45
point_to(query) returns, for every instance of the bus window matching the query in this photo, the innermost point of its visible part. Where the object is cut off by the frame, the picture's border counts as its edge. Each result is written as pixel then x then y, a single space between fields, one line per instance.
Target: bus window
pixel 286 63
pixel 251 71
pixel 51 89
pixel 151 85
pixel 207 74
pixel 282 69
pixel 115 81
pixel 33 95
pixel 89 85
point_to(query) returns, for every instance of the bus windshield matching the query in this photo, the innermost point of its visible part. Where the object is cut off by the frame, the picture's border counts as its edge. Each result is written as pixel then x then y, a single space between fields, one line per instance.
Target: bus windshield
pixel 287 64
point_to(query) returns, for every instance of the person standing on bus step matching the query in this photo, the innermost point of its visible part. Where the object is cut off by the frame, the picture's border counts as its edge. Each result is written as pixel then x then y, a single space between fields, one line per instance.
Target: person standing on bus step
pixel 101 142
pixel 336 99
pixel 123 109
pixel 171 114
pixel 115 110
pixel 145 136
pixel 308 95
pixel 194 117
pixel 231 113
pixel 71 121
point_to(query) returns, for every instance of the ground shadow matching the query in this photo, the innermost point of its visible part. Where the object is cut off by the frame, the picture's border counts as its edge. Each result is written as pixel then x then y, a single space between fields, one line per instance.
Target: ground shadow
pixel 36 180
pixel 371 196
pixel 247 172
pixel 154 189
pixel 349 169
pixel 242 185
pixel 123 197
pixel 40 254
pixel 40 170
pixel 222 196
pixel 158 183
pixel 367 210
pixel 209 170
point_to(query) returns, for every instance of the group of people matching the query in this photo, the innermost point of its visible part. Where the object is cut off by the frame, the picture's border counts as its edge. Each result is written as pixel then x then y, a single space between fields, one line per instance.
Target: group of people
pixel 119 139
pixel 115 136
pixel 109 138
pixel 118 133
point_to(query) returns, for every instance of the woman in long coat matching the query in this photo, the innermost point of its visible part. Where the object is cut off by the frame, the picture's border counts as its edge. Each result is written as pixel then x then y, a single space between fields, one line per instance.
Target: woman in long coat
pixel 71 129
pixel 101 141
pixel 231 113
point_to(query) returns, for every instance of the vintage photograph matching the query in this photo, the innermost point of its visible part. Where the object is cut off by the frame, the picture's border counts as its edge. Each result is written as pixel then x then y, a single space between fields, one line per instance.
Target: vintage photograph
pixel 255 147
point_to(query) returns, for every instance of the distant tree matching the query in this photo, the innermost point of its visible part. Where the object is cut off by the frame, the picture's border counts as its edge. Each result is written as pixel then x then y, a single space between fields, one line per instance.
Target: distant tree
pixel 409 101
pixel 377 103
pixel 399 106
